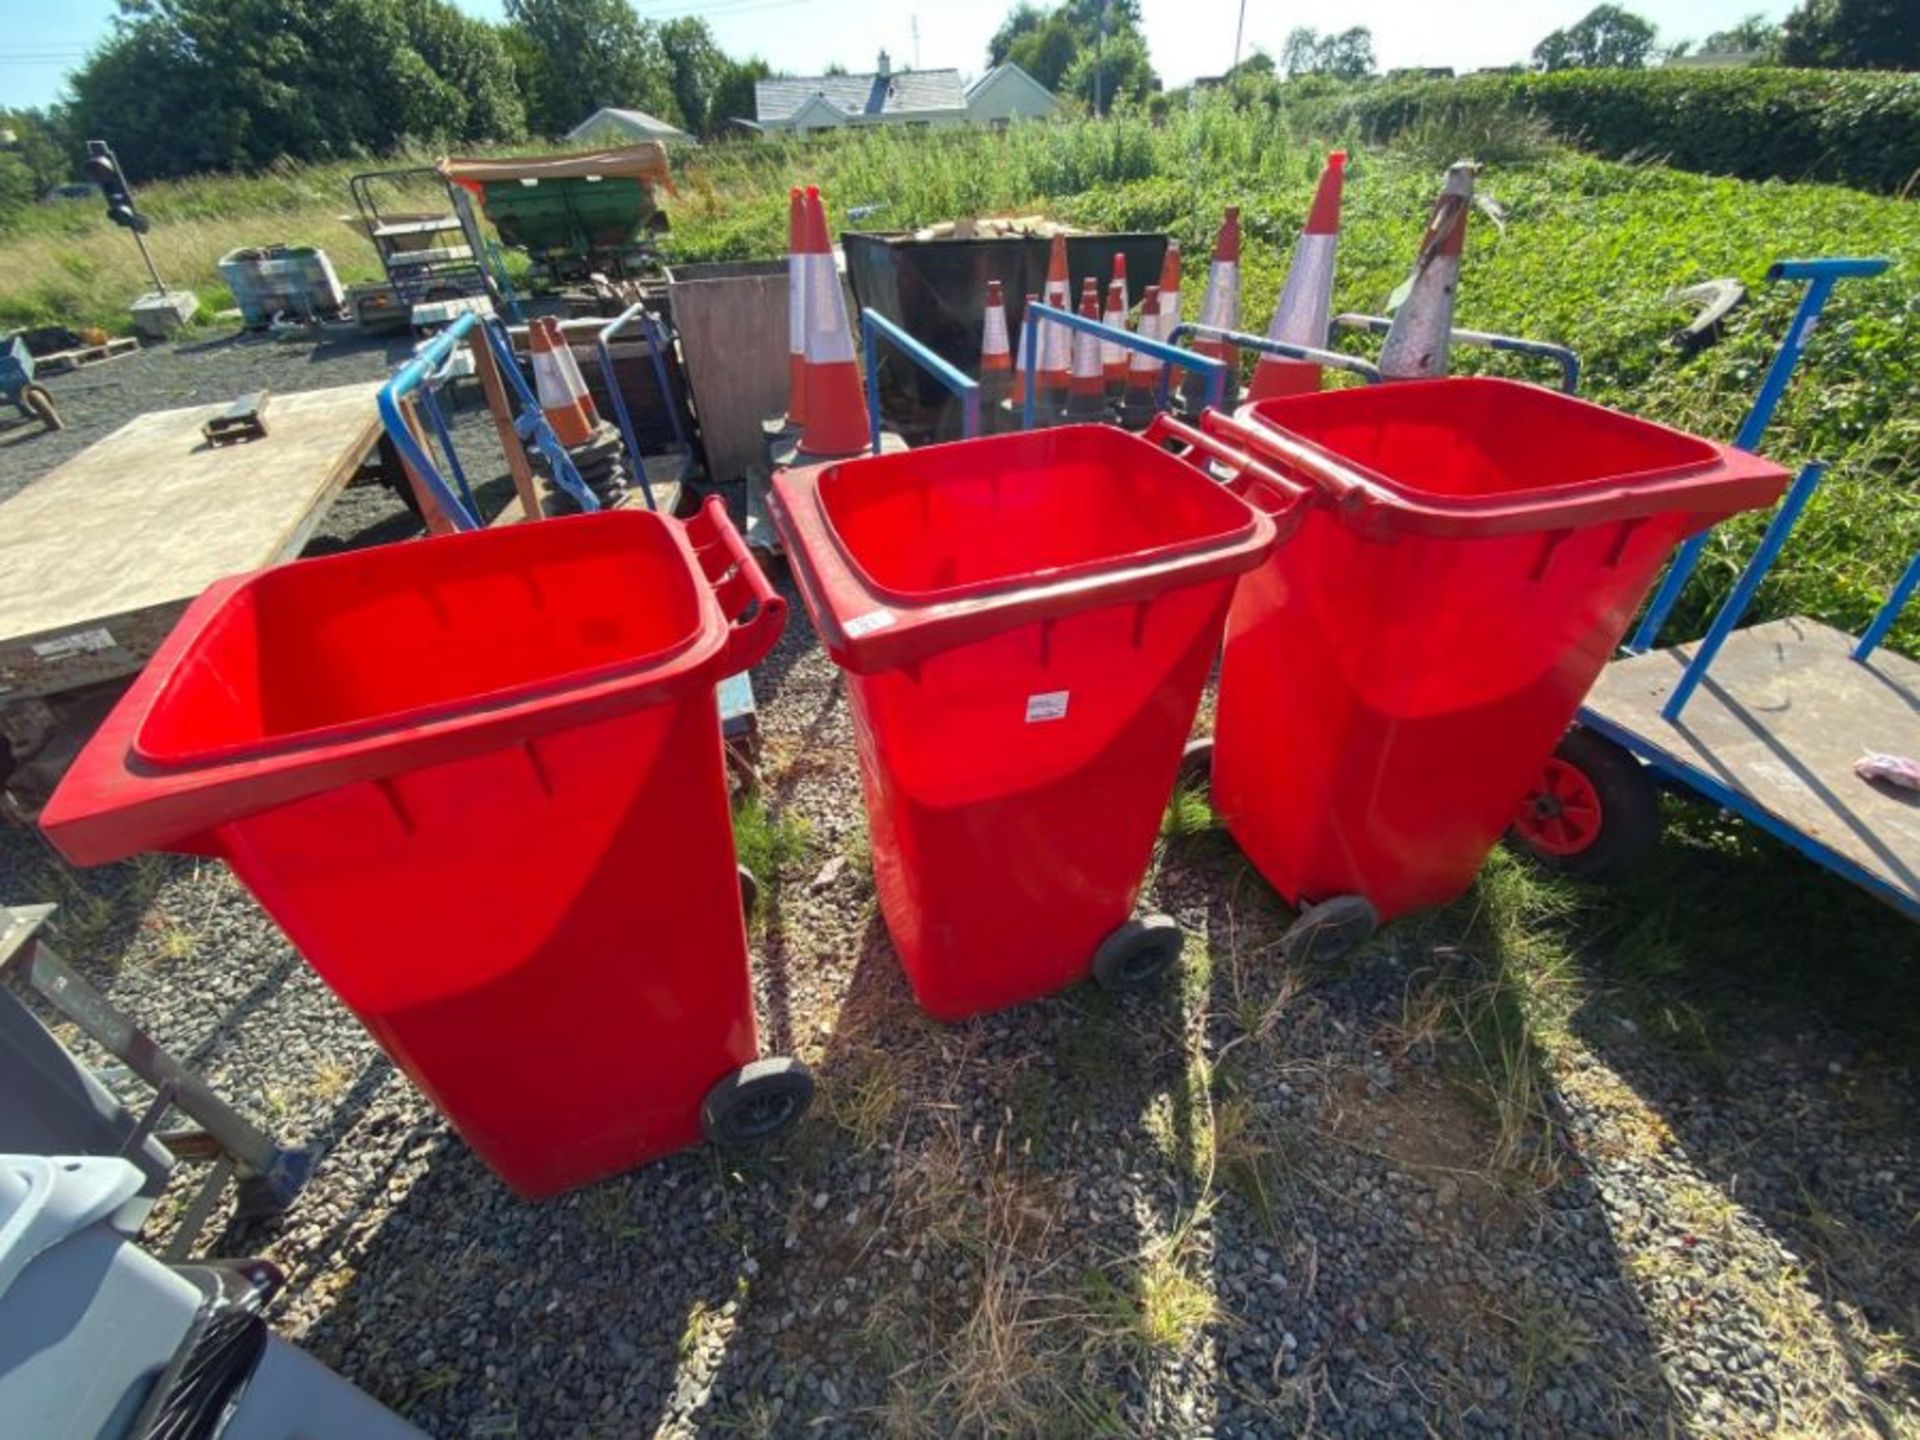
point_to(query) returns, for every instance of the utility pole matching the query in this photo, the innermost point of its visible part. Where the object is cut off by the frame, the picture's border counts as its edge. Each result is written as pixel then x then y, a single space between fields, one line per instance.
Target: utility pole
pixel 1239 28
pixel 916 42
pixel 1100 59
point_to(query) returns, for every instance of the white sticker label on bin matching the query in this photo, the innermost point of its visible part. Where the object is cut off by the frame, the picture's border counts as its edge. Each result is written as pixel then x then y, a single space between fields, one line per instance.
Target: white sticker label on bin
pixel 1049 705
pixel 80 642
pixel 868 623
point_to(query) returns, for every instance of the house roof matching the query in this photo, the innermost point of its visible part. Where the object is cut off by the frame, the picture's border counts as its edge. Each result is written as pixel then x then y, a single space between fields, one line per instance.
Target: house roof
pixel 636 123
pixel 1006 71
pixel 904 92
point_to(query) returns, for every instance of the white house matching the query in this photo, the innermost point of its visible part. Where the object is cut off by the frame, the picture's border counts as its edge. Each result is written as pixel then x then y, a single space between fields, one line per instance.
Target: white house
pixel 609 126
pixel 886 97
pixel 1006 92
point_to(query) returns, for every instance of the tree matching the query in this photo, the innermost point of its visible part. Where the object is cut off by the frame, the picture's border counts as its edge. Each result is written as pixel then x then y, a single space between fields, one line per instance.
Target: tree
pixel 1606 38
pixel 696 68
pixel 585 54
pixel 733 97
pixel 1104 74
pixel 1023 19
pixel 1755 35
pixel 1853 35
pixel 1347 55
pixel 1048 52
pixel 184 85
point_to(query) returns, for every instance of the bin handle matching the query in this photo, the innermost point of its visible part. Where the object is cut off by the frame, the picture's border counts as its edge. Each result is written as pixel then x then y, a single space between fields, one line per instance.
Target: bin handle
pixel 738 582
pixel 1270 444
pixel 1164 427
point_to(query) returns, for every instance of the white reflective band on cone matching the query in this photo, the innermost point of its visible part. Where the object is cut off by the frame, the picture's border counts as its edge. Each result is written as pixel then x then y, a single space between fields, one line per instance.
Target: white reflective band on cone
pixel 1306 301
pixel 796 305
pixel 1221 307
pixel 1055 339
pixel 993 339
pixel 829 338
pixel 1139 362
pixel 1111 351
pixel 550 380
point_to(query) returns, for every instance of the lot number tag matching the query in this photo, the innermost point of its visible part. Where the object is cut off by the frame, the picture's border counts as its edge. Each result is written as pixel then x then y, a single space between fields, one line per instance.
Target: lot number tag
pixel 1048 705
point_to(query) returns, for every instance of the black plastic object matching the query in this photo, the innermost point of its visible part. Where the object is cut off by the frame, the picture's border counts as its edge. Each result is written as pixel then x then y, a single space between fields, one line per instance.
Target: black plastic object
pixel 760 1100
pixel 936 290
pixel 1138 953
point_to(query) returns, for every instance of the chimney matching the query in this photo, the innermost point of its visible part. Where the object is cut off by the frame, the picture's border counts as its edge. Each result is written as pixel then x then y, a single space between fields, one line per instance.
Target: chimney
pixel 886 65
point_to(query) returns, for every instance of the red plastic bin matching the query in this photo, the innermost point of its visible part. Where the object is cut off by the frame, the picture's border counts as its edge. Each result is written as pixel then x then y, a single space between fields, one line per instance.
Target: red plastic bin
pixel 1393 681
pixel 478 781
pixel 1026 622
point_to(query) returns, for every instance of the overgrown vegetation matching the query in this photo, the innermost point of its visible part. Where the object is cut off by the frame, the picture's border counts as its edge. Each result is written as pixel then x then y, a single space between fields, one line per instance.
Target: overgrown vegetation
pixel 1757 124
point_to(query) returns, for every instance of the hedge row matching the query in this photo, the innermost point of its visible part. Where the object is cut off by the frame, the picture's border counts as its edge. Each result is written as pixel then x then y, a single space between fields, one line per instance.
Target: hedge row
pixel 1852 127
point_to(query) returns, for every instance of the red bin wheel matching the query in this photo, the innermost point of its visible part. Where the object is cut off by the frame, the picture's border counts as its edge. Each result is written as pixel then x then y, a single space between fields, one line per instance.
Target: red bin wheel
pixel 1593 814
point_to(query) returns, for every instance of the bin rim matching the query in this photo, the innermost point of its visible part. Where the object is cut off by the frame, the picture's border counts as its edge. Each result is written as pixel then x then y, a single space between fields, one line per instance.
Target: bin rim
pixel 114 801
pixel 868 627
pixel 1723 480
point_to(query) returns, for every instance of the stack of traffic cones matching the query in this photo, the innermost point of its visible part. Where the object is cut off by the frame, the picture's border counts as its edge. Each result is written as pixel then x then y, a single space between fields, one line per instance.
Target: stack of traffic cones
pixel 1113 356
pixel 1220 308
pixel 1422 332
pixel 1306 300
pixel 1143 370
pixel 996 359
pixel 1087 391
pixel 835 421
pixel 1056 341
pixel 796 309
pixel 594 447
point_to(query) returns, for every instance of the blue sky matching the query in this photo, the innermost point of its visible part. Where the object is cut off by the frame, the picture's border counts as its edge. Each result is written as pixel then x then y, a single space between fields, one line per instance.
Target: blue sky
pixel 41 40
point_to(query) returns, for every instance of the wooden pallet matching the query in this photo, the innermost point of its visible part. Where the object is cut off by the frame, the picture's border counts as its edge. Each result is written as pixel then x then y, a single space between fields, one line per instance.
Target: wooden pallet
pixel 62 361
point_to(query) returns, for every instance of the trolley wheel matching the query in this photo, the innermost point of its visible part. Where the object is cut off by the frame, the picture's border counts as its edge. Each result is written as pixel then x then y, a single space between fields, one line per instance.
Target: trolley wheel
pixel 39 403
pixel 757 1102
pixel 1330 929
pixel 1196 766
pixel 1593 814
pixel 749 891
pixel 1138 953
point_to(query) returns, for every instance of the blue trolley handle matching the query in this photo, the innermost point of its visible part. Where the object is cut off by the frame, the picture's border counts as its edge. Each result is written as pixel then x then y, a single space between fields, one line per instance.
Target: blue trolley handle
pixel 1214 371
pixel 1286 350
pixel 1821 276
pixel 654 341
pixel 391 405
pixel 875 327
pixel 1560 355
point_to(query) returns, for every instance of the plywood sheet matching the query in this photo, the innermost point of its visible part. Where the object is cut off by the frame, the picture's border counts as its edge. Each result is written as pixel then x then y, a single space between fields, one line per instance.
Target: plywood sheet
pixel 1780 719
pixel 132 528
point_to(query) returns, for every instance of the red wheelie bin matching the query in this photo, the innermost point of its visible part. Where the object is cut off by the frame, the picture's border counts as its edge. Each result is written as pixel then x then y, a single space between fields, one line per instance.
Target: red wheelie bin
pixel 478 781
pixel 1393 680
pixel 1026 623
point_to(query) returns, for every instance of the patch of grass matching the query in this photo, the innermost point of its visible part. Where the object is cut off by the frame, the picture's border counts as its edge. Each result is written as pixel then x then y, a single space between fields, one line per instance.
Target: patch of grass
pixel 1255 1156
pixel 768 843
pixel 331 1079
pixel 1160 1307
pixel 1029 1109
pixel 864 1096
pixel 1189 813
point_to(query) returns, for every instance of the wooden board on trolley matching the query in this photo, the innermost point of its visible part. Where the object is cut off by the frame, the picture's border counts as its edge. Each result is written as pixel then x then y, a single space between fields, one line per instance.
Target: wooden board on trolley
pixel 99 556
pixel 1778 722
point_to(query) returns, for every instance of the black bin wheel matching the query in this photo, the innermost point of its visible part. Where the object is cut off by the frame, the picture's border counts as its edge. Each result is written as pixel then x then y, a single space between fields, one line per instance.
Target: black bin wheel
pixel 1196 766
pixel 1593 814
pixel 757 1102
pixel 1330 929
pixel 749 891
pixel 1138 953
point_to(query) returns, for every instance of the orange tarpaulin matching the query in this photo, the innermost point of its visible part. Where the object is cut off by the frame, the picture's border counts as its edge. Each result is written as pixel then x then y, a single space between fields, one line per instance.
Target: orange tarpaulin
pixel 646 161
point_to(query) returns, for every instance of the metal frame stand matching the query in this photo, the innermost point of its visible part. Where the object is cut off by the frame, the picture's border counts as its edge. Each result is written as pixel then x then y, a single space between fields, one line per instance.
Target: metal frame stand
pixel 268 1176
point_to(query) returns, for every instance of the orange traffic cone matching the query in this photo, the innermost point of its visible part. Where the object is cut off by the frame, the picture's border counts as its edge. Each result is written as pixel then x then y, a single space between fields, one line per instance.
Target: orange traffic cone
pixel 836 418
pixel 1220 308
pixel 1306 301
pixel 1087 393
pixel 1143 370
pixel 1113 357
pixel 796 309
pixel 557 382
pixel 996 358
pixel 1422 331
pixel 1170 300
pixel 1056 341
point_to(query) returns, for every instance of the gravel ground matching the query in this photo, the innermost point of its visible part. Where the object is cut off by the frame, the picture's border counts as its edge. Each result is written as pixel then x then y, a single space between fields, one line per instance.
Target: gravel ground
pixel 1261 1202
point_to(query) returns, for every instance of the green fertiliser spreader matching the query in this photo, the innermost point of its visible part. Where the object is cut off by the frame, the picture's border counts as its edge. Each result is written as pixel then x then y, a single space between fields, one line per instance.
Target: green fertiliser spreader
pixel 573 214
